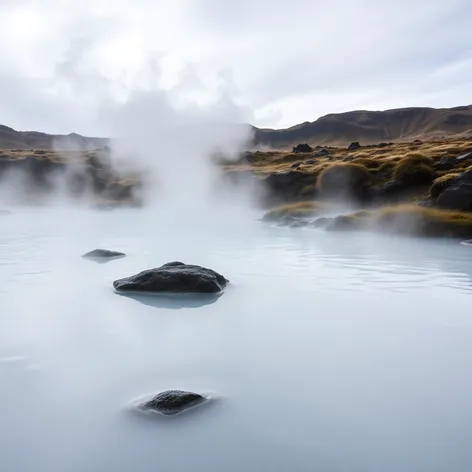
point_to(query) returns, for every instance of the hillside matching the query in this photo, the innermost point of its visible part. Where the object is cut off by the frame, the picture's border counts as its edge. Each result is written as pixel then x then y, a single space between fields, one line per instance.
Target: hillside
pixel 12 139
pixel 367 127
pixel 370 127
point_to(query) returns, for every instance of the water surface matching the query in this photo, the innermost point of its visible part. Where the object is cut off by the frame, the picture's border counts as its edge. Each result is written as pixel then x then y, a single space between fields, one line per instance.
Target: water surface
pixel 331 352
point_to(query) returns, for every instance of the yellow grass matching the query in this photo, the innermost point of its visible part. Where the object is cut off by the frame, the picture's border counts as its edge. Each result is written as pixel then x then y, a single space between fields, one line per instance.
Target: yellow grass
pixel 409 220
pixel 297 209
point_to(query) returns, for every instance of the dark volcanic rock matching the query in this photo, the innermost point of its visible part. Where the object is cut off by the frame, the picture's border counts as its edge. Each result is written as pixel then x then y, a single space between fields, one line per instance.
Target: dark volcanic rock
pixel 463 157
pixel 311 161
pixel 173 277
pixel 388 192
pixel 172 402
pixel 103 255
pixel 302 148
pixel 288 185
pixel 446 163
pixel 322 153
pixel 464 177
pixel 353 146
pixel 296 165
pixel 456 197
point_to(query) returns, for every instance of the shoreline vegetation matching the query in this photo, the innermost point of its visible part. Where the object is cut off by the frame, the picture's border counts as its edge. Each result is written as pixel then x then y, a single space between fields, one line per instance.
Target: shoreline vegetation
pixel 415 189
pixel 412 188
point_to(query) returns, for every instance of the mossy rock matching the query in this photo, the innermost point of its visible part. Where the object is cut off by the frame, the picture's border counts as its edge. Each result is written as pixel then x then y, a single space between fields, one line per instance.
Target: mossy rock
pixel 414 170
pixel 441 183
pixel 344 180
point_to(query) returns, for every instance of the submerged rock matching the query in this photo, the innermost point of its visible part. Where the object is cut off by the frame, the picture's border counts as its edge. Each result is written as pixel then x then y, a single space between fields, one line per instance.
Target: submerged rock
pixel 172 402
pixel 175 277
pixel 103 255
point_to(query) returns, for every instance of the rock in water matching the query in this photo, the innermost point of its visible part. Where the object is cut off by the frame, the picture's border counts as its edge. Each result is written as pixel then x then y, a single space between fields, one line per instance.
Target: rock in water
pixel 103 255
pixel 172 402
pixel 173 277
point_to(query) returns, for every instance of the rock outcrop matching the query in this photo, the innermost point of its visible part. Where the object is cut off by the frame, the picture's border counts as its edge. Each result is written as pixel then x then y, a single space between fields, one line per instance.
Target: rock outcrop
pixel 353 146
pixel 302 148
pixel 173 277
pixel 456 197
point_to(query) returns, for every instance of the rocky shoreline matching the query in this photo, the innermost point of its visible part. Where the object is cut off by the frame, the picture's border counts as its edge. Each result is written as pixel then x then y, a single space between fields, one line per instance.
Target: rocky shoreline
pixel 422 188
pixel 414 188
pixel 74 173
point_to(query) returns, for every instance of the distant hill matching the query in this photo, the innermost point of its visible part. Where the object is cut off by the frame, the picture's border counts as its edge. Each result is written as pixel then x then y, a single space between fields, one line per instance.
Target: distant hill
pixel 367 127
pixel 12 139
pixel 370 127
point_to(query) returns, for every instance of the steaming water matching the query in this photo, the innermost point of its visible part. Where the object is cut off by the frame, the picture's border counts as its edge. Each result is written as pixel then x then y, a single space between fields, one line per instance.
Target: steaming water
pixel 330 352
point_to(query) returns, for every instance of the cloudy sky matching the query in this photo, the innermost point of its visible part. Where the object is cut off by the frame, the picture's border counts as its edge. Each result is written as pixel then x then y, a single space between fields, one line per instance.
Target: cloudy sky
pixel 280 62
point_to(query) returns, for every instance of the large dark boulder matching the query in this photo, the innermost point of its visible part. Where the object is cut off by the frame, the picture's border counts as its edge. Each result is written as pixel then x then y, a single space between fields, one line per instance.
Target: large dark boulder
pixel 103 255
pixel 389 192
pixel 445 163
pixel 464 177
pixel 172 402
pixel 302 148
pixel 173 277
pixel 456 197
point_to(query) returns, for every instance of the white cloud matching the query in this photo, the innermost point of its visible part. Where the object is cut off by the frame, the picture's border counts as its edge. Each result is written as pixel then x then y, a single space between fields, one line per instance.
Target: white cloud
pixel 287 61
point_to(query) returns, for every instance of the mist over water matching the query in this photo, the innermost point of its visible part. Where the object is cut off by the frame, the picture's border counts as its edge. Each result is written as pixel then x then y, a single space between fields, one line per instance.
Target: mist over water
pixel 329 351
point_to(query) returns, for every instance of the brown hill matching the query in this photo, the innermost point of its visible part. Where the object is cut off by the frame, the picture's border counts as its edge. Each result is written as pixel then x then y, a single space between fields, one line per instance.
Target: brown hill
pixel 370 127
pixel 12 139
pixel 367 127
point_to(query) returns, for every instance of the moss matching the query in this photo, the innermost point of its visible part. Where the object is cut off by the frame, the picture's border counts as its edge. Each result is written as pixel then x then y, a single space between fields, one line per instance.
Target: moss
pixel 411 220
pixel 414 169
pixel 367 162
pixel 344 180
pixel 297 209
pixel 441 183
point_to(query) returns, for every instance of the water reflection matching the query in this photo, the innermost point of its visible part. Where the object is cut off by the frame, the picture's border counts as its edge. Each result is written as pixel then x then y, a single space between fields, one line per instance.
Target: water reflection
pixel 172 301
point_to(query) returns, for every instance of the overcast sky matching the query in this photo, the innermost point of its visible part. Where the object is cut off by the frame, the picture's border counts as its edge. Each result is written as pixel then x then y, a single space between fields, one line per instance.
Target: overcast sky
pixel 281 62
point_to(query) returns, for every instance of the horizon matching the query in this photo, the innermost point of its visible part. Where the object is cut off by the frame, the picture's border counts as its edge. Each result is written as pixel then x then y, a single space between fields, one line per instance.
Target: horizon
pixel 248 124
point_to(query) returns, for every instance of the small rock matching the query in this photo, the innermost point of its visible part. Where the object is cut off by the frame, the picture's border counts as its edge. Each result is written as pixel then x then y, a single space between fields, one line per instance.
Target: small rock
pixel 322 153
pixel 172 402
pixel 353 146
pixel 173 277
pixel 103 255
pixel 417 142
pixel 463 157
pixel 302 148
pixel 296 165
pixel 311 161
